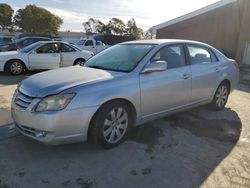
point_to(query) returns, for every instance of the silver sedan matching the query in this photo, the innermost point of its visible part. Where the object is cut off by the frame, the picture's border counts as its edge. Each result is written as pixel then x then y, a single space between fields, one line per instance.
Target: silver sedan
pixel 126 85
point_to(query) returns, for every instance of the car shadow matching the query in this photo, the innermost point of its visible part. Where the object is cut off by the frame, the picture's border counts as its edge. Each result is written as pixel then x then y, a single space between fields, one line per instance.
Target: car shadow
pixel 176 151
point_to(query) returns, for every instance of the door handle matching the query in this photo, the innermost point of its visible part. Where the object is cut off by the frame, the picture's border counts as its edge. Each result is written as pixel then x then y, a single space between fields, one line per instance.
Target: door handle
pixel 186 76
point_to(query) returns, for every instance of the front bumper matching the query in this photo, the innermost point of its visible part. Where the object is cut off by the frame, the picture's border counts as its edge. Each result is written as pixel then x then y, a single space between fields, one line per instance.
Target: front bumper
pixel 53 127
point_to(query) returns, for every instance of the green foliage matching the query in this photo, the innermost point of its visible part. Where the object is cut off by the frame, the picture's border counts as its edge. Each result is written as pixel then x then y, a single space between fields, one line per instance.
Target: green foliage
pixel 33 19
pixel 93 26
pixel 6 13
pixel 115 26
pixel 133 30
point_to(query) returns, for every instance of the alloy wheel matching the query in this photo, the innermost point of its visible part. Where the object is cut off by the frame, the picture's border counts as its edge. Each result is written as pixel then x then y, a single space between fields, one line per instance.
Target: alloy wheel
pixel 221 96
pixel 115 125
pixel 16 68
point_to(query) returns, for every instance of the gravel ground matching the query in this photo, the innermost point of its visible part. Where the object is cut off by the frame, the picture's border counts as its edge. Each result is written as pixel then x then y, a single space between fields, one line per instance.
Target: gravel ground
pixel 198 148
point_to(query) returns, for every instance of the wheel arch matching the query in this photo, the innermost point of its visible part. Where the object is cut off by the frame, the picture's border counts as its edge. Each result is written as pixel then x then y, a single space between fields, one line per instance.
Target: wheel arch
pixel 12 60
pixel 79 58
pixel 128 102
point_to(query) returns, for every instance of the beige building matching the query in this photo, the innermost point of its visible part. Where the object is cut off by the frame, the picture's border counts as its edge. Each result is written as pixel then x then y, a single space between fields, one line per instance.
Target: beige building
pixel 224 25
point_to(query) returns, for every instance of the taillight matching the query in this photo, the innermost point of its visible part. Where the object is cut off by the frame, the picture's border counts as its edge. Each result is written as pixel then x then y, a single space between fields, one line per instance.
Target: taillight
pixel 237 66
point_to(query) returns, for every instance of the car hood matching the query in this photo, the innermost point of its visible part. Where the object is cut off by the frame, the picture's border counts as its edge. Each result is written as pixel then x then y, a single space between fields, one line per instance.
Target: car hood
pixel 58 80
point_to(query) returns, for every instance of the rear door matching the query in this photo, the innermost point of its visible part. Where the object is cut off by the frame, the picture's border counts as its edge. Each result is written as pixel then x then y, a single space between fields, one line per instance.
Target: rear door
pixel 166 90
pixel 45 57
pixel 206 71
pixel 68 55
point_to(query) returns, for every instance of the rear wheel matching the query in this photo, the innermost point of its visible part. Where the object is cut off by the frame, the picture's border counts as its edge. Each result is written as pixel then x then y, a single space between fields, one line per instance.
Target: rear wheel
pixel 80 62
pixel 111 124
pixel 15 67
pixel 220 97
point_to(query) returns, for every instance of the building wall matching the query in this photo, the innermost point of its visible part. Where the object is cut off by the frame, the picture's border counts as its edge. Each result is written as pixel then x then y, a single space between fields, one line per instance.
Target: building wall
pixel 226 28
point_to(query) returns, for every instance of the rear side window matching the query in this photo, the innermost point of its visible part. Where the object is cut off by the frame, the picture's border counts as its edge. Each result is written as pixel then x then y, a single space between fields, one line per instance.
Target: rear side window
pixel 67 48
pixel 173 55
pixel 98 43
pixel 199 55
pixel 213 56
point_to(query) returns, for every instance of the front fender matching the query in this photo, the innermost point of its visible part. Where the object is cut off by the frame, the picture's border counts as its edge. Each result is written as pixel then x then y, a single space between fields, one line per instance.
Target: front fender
pixel 100 93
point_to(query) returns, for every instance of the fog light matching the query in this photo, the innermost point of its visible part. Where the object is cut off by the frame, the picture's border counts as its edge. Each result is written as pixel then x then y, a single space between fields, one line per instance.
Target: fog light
pixel 40 134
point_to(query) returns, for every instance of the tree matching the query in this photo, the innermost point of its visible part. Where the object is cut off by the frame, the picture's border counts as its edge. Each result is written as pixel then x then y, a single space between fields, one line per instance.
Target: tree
pixel 149 34
pixel 6 14
pixel 33 19
pixel 133 30
pixel 117 26
pixel 94 26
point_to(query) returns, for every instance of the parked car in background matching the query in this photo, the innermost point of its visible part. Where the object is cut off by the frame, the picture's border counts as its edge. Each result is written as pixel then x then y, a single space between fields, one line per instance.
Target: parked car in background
pixel 42 55
pixel 21 43
pixel 20 36
pixel 91 45
pixel 126 85
pixel 5 40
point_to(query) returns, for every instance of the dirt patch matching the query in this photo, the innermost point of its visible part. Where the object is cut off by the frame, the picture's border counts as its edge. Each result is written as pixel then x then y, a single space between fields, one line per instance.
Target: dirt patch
pixel 219 129
pixel 146 134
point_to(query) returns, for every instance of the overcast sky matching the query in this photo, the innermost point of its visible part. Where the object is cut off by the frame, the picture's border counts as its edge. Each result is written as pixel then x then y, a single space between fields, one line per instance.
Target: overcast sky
pixel 147 13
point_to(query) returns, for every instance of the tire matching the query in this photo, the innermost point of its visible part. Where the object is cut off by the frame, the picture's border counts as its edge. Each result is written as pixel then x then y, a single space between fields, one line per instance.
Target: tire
pixel 220 97
pixel 80 62
pixel 111 124
pixel 15 67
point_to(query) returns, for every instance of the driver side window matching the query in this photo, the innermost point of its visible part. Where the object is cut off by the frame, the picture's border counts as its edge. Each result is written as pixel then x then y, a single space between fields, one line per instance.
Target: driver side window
pixel 48 48
pixel 89 43
pixel 174 56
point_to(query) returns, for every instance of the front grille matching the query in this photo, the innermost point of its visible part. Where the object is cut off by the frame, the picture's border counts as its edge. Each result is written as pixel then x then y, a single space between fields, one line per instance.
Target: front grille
pixel 22 100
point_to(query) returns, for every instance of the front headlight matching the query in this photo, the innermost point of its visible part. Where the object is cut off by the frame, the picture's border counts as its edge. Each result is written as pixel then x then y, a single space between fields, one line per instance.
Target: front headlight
pixel 54 102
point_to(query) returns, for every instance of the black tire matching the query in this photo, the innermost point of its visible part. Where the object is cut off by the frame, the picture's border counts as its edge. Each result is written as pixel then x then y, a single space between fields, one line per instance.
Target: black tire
pixel 97 128
pixel 15 67
pixel 220 97
pixel 80 62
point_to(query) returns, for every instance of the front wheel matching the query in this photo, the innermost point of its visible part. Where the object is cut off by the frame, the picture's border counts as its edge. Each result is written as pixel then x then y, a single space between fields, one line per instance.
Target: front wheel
pixel 220 97
pixel 111 124
pixel 15 67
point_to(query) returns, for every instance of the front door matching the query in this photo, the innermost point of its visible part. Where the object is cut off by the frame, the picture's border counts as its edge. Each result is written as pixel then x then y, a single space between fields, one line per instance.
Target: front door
pixel 45 57
pixel 166 90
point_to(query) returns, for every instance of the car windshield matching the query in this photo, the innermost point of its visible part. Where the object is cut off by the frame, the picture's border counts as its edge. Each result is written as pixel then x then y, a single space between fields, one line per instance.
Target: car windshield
pixel 81 42
pixel 121 57
pixel 30 47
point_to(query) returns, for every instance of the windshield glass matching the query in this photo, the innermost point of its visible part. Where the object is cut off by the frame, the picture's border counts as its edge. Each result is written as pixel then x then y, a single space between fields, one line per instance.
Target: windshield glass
pixel 81 42
pixel 122 57
pixel 30 47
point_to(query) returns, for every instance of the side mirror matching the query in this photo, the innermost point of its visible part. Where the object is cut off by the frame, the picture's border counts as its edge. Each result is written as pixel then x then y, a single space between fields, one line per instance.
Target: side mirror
pixel 155 66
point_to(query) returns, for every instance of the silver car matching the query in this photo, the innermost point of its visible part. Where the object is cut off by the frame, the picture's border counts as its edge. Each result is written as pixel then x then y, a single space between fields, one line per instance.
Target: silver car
pixel 126 85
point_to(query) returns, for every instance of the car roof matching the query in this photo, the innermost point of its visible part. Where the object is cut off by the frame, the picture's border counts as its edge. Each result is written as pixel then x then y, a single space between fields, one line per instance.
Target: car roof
pixel 34 38
pixel 163 41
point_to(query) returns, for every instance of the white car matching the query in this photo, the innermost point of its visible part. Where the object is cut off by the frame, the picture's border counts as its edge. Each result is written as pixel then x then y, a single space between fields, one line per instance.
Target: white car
pixel 94 46
pixel 43 56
